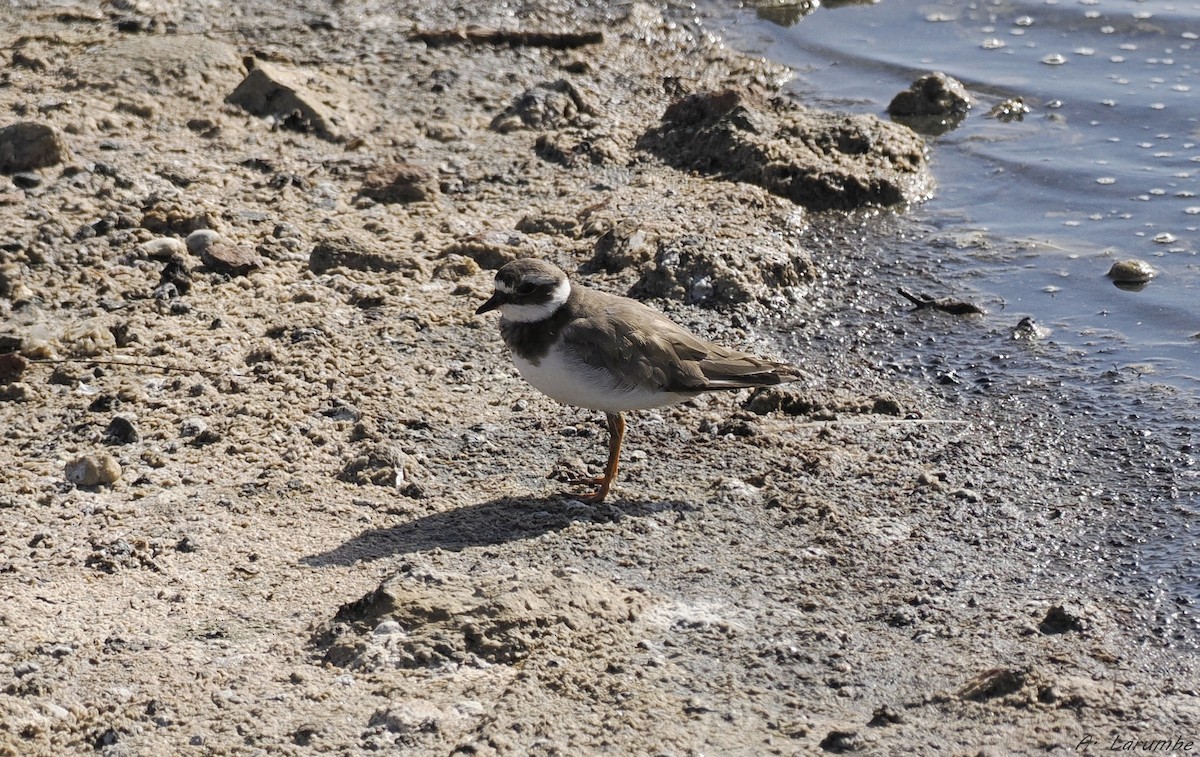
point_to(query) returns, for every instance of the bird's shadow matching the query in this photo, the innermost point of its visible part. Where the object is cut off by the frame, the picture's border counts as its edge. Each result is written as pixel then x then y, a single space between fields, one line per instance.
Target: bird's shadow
pixel 488 523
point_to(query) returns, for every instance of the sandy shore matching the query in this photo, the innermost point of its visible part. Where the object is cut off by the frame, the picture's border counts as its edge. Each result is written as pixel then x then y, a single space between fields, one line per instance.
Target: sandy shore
pixel 275 489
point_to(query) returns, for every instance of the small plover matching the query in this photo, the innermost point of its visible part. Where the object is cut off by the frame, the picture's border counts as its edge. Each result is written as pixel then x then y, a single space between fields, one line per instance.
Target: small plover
pixel 603 352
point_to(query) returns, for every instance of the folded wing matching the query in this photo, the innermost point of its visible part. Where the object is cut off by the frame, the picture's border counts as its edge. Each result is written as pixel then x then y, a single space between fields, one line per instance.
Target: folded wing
pixel 649 351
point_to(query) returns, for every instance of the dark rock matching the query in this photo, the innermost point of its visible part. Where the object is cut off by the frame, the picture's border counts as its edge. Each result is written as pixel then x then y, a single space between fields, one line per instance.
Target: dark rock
pixel 109 736
pixel 549 105
pixel 884 715
pixel 273 92
pixel 26 180
pixel 103 403
pixel 28 145
pixel 204 126
pixel 11 342
pixel 306 734
pixel 784 13
pixel 815 159
pixel 1010 109
pixel 400 182
pixel 789 401
pixel 12 367
pixel 440 80
pixel 934 95
pixel 839 741
pixel 1062 619
pixel 887 405
pixel 121 431
pixel 1028 330
pixel 175 280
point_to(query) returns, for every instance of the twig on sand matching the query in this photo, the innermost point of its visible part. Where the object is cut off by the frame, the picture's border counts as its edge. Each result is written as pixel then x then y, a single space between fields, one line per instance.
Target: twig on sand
pixel 553 40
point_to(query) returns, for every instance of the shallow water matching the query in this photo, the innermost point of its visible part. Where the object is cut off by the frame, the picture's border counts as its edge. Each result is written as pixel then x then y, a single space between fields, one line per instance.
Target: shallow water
pixel 1105 166
pixel 1026 220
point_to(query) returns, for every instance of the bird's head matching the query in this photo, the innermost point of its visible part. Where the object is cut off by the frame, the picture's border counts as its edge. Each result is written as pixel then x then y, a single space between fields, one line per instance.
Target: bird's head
pixel 527 291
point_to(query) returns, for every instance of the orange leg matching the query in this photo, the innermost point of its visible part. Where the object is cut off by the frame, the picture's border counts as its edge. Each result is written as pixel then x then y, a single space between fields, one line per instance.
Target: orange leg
pixel 616 435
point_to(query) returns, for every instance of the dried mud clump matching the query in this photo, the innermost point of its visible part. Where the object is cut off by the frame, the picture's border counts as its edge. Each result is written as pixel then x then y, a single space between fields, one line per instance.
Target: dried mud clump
pixel 819 405
pixel 287 98
pixel 28 145
pixel 424 620
pixel 819 160
pixel 491 250
pixel 400 183
pixel 359 252
pixel 694 270
pixel 382 465
pixel 573 146
pixel 549 105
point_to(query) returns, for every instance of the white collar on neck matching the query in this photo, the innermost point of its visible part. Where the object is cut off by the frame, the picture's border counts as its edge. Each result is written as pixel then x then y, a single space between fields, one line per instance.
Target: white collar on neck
pixel 539 312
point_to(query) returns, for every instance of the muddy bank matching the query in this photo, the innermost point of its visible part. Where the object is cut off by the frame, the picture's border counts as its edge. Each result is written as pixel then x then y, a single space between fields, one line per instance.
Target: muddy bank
pixel 272 487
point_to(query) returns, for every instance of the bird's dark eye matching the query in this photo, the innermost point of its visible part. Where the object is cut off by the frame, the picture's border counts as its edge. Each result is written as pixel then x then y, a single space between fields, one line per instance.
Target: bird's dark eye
pixel 526 288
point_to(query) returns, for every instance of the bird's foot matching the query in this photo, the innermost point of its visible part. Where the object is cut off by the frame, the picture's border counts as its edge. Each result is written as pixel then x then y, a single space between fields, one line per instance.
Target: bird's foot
pixel 602 484
pixel 593 498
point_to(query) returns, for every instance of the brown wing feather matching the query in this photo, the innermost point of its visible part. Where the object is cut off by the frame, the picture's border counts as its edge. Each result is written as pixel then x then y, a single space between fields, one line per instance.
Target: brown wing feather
pixel 667 357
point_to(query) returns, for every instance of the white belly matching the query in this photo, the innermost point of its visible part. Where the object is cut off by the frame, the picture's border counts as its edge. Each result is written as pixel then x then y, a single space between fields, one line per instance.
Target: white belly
pixel 574 383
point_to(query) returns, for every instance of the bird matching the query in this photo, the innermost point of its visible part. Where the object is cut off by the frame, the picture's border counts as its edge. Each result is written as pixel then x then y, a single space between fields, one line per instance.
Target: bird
pixel 603 352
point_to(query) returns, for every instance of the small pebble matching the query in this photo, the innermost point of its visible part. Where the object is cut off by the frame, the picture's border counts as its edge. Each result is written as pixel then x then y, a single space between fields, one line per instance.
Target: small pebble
pixel 1029 330
pixel 387 627
pixel 186 544
pixel 928 478
pixel 200 240
pixel 163 248
pixel 56 711
pixel 223 258
pixel 193 427
pixel 93 470
pixel 1131 271
pixel 27 180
